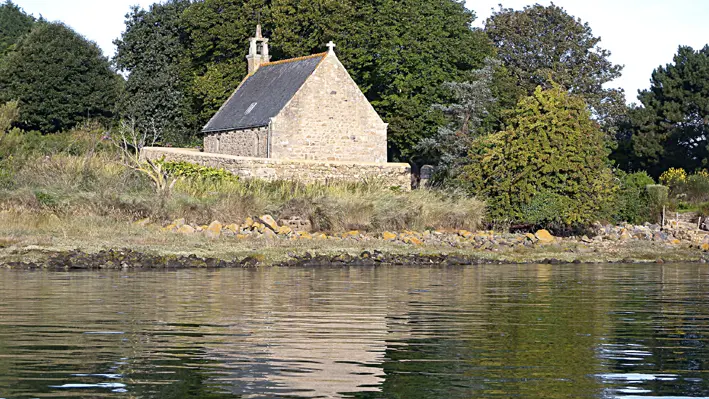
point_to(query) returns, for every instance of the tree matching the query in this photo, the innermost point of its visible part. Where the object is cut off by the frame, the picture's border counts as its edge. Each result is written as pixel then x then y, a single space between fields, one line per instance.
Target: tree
pixel 59 78
pixel 541 46
pixel 399 52
pixel 671 127
pixel 14 24
pixel 549 166
pixel 448 149
pixel 153 52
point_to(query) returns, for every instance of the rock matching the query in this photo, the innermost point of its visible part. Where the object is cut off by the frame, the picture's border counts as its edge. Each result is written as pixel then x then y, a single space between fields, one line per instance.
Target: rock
pixel 675 242
pixel 353 233
pixel 544 237
pixel 241 236
pixel 465 234
pixel 269 222
pixel 412 240
pixel 284 230
pixel 249 222
pixel 304 235
pixel 531 237
pixel 704 247
pixel 234 228
pixel 170 227
pixel 214 230
pixel 586 239
pixel 186 229
pixel 389 236
pixel 179 222
pixel 321 236
pixel 269 233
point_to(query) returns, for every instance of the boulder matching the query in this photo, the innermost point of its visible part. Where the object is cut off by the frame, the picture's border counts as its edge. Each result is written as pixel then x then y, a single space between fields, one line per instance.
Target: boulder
pixel 284 230
pixel 234 228
pixel 214 230
pixel 179 222
pixel 269 222
pixel 544 237
pixel 389 236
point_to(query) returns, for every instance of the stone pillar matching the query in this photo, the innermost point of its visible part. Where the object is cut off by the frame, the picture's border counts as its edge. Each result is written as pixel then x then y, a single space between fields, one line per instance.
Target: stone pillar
pixel 426 175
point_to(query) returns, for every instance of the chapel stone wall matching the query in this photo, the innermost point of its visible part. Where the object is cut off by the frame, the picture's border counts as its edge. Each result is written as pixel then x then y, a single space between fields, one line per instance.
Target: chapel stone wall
pixel 329 119
pixel 245 143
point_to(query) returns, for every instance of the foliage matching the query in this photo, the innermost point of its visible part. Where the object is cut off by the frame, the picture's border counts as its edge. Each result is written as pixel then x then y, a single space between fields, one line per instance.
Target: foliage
pixel 658 197
pixel 59 78
pixel 698 186
pixel 194 171
pixel 674 178
pixel 399 52
pixel 551 148
pixel 14 23
pixel 670 128
pixel 9 112
pixel 633 202
pixel 471 101
pixel 152 52
pixel 543 45
pixel 100 185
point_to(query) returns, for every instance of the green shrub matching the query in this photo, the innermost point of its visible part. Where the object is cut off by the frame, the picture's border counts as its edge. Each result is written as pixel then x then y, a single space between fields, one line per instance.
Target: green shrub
pixel 552 146
pixel 697 187
pixel 633 202
pixel 658 196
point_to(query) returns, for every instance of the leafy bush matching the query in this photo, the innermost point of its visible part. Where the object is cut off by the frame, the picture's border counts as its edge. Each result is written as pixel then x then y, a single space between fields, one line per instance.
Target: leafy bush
pixel 633 203
pixel 697 187
pixel 552 146
pixel 658 196
pixel 675 179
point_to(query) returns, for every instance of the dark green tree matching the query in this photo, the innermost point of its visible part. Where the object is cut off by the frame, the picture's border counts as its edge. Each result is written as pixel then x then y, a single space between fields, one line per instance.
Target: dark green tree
pixel 550 166
pixel 14 23
pixel 671 127
pixel 59 78
pixel 543 45
pixel 399 52
pixel 153 52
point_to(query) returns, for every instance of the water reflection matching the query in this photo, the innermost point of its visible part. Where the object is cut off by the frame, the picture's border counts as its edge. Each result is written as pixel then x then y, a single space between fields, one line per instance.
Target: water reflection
pixel 500 331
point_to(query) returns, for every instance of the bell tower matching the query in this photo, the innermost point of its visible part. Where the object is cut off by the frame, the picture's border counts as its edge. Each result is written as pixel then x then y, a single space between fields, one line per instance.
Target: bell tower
pixel 258 51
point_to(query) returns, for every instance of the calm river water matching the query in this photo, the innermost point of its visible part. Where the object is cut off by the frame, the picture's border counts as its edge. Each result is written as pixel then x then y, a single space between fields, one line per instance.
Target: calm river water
pixel 608 331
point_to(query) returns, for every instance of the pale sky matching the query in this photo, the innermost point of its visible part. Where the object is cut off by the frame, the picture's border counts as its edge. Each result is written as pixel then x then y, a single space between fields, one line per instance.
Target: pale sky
pixel 641 34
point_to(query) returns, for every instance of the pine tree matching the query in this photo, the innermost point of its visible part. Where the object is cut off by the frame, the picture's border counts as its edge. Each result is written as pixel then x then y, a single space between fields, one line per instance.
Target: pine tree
pixel 671 127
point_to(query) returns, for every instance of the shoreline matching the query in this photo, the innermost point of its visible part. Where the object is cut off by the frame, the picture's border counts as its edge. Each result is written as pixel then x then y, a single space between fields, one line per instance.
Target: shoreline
pixel 32 242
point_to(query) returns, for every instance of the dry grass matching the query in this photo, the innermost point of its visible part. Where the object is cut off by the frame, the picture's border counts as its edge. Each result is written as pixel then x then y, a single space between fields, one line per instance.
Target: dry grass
pixel 93 184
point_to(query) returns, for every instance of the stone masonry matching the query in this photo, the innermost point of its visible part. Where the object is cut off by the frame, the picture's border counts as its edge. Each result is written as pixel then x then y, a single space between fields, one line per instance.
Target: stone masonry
pixel 388 174
pixel 245 143
pixel 329 119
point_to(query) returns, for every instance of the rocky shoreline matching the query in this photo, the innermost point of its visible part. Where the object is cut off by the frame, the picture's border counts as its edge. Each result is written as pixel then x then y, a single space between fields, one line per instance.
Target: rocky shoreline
pixel 132 260
pixel 291 247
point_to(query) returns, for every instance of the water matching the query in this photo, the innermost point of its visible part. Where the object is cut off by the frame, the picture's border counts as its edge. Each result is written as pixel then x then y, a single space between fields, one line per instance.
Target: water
pixel 607 331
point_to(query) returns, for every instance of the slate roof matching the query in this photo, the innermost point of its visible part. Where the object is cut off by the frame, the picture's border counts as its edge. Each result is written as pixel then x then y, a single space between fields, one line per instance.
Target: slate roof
pixel 263 95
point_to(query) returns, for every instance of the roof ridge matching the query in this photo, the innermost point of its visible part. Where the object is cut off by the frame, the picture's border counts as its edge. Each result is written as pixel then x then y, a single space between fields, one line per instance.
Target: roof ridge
pixel 294 59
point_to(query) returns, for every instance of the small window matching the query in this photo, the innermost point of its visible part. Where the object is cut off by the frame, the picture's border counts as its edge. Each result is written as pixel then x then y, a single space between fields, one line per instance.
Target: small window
pixel 251 108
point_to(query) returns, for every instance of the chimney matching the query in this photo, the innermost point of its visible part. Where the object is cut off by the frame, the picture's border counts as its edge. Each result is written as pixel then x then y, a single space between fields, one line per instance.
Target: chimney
pixel 258 51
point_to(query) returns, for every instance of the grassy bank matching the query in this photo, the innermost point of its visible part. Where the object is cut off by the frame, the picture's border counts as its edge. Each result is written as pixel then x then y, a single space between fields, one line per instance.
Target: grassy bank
pixel 80 175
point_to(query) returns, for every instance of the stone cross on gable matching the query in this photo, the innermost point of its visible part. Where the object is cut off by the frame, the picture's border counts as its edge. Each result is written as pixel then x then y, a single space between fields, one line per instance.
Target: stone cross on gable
pixel 331 46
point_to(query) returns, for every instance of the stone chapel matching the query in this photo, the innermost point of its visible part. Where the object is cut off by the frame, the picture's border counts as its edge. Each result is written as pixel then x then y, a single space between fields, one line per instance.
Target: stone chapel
pixel 306 108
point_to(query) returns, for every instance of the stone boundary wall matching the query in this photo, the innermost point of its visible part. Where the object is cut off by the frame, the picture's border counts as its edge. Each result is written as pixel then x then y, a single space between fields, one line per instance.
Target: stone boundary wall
pixel 390 174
